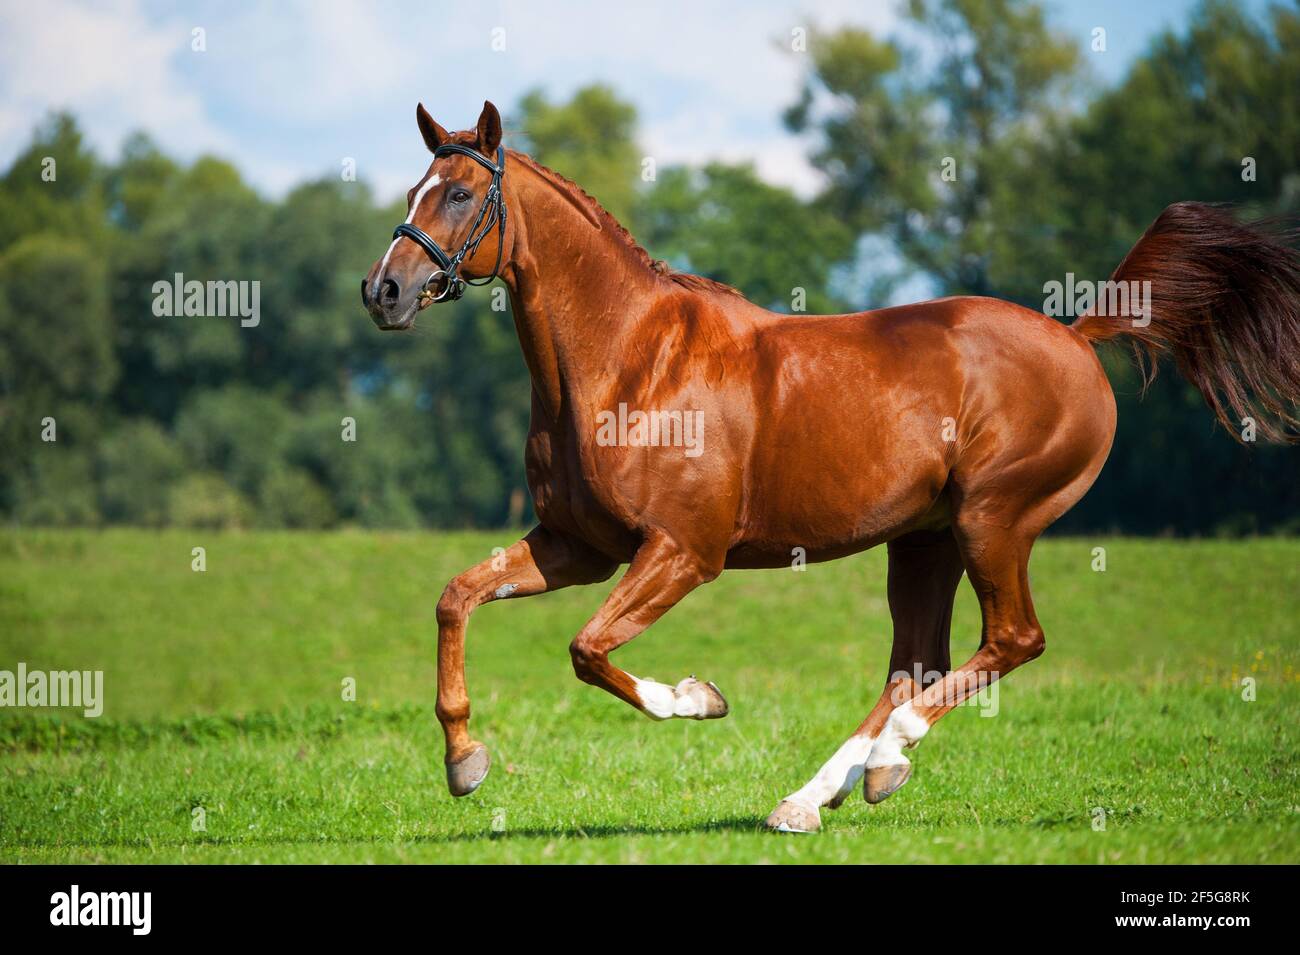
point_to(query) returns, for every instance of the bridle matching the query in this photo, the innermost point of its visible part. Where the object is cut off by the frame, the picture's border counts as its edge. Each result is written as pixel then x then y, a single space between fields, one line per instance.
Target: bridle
pixel 493 203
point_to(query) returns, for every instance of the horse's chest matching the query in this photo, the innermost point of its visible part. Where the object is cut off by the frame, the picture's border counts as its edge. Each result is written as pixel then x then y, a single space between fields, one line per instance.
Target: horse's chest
pixel 567 494
pixel 546 481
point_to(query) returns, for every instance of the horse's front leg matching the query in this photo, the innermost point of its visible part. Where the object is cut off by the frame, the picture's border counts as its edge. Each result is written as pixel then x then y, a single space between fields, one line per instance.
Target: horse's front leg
pixel 662 572
pixel 542 561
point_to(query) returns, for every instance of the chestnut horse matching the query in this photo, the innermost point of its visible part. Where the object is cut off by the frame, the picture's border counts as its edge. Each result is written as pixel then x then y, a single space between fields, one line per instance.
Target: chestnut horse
pixel 954 431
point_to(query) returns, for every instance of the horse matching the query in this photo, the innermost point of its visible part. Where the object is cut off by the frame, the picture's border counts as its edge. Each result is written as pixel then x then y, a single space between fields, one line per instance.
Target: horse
pixel 953 431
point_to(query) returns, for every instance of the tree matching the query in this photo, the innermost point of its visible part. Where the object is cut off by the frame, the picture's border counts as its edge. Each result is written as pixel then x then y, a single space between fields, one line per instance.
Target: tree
pixel 55 185
pixel 726 223
pixel 589 140
pixel 197 421
pixel 1180 126
pixel 139 463
pixel 916 153
pixel 56 366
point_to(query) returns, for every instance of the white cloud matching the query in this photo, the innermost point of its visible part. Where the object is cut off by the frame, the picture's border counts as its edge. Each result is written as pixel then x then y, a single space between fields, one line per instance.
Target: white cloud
pixel 778 156
pixel 286 90
pixel 709 81
pixel 108 63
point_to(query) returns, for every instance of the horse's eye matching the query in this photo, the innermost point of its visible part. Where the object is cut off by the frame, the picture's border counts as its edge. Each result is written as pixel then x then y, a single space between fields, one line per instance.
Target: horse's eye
pixel 460 195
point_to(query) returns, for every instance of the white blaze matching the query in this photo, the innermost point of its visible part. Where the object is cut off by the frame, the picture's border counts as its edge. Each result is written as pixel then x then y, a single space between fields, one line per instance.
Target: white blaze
pixel 428 184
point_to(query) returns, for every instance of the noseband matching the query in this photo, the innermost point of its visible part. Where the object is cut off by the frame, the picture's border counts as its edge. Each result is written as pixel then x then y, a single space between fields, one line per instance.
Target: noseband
pixel 491 213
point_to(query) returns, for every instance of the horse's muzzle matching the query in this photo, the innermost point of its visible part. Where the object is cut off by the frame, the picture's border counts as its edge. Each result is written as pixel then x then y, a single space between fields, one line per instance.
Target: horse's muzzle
pixel 389 307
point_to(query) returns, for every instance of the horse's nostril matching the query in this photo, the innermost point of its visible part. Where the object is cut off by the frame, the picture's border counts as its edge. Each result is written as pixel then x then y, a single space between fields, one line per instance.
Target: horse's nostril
pixel 389 292
pixel 365 292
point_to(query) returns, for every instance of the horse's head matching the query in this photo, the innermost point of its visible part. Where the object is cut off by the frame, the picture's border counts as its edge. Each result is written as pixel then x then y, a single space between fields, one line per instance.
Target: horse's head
pixel 454 228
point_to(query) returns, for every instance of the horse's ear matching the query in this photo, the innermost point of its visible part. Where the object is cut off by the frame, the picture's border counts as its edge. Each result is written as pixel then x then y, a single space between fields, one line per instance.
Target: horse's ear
pixel 434 135
pixel 489 131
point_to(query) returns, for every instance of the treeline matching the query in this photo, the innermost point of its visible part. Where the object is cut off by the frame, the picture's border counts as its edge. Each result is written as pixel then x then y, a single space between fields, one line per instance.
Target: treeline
pixel 113 414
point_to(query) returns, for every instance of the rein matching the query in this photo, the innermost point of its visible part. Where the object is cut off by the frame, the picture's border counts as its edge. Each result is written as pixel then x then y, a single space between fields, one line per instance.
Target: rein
pixel 493 210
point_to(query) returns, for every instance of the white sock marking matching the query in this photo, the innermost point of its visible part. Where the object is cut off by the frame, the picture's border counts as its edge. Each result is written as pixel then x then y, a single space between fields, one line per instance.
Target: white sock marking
pixel 686 704
pixel 903 728
pixel 661 701
pixel 657 699
pixel 842 772
pixel 838 775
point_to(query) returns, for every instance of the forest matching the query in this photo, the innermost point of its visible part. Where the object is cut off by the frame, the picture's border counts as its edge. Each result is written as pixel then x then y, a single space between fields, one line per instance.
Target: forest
pixel 992 165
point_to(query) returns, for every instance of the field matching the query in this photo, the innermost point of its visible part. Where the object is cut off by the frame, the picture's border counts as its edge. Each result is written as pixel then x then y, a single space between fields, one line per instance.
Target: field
pixel 1128 741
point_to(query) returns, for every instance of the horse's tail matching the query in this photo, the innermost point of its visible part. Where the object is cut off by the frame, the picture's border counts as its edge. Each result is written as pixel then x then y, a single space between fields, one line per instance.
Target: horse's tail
pixel 1225 303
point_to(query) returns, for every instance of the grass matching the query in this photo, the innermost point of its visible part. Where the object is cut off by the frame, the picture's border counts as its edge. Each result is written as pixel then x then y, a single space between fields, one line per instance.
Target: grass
pixel 223 691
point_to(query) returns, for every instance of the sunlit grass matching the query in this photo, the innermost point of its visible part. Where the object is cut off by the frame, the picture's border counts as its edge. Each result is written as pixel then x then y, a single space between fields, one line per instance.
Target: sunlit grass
pixel 223 691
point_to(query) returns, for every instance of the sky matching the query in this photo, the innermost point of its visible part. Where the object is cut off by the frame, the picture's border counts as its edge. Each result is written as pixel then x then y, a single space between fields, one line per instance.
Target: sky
pixel 288 90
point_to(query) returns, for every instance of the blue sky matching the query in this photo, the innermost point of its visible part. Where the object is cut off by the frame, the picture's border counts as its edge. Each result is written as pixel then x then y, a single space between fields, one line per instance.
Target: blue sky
pixel 287 90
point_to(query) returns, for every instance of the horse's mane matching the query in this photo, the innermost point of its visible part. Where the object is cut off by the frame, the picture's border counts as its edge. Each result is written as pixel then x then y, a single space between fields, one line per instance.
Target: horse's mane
pixel 598 213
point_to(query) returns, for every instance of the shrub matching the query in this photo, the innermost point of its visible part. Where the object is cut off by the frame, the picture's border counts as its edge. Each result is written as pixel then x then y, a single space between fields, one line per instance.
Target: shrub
pixel 207 501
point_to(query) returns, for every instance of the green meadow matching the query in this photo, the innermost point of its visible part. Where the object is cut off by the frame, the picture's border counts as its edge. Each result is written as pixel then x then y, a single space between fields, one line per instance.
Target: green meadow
pixel 1161 725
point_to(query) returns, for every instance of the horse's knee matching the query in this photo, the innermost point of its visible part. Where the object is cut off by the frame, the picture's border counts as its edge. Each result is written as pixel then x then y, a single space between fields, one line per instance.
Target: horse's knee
pixel 454 604
pixel 1018 645
pixel 584 658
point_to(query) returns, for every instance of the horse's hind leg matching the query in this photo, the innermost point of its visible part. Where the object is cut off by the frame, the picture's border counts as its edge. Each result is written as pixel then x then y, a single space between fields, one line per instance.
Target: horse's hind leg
pixel 997 561
pixel 995 523
pixel 924 570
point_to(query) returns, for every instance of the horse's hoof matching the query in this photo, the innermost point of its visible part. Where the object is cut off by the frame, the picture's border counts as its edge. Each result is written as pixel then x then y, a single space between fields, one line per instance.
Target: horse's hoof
pixel 791 817
pixel 467 773
pixel 700 701
pixel 881 782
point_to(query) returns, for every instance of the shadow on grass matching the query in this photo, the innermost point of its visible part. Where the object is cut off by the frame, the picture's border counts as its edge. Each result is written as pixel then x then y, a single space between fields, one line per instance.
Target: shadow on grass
pixel 736 824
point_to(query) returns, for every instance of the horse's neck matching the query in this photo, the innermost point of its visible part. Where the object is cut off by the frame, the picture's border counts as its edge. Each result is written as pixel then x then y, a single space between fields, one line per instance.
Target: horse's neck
pixel 576 289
